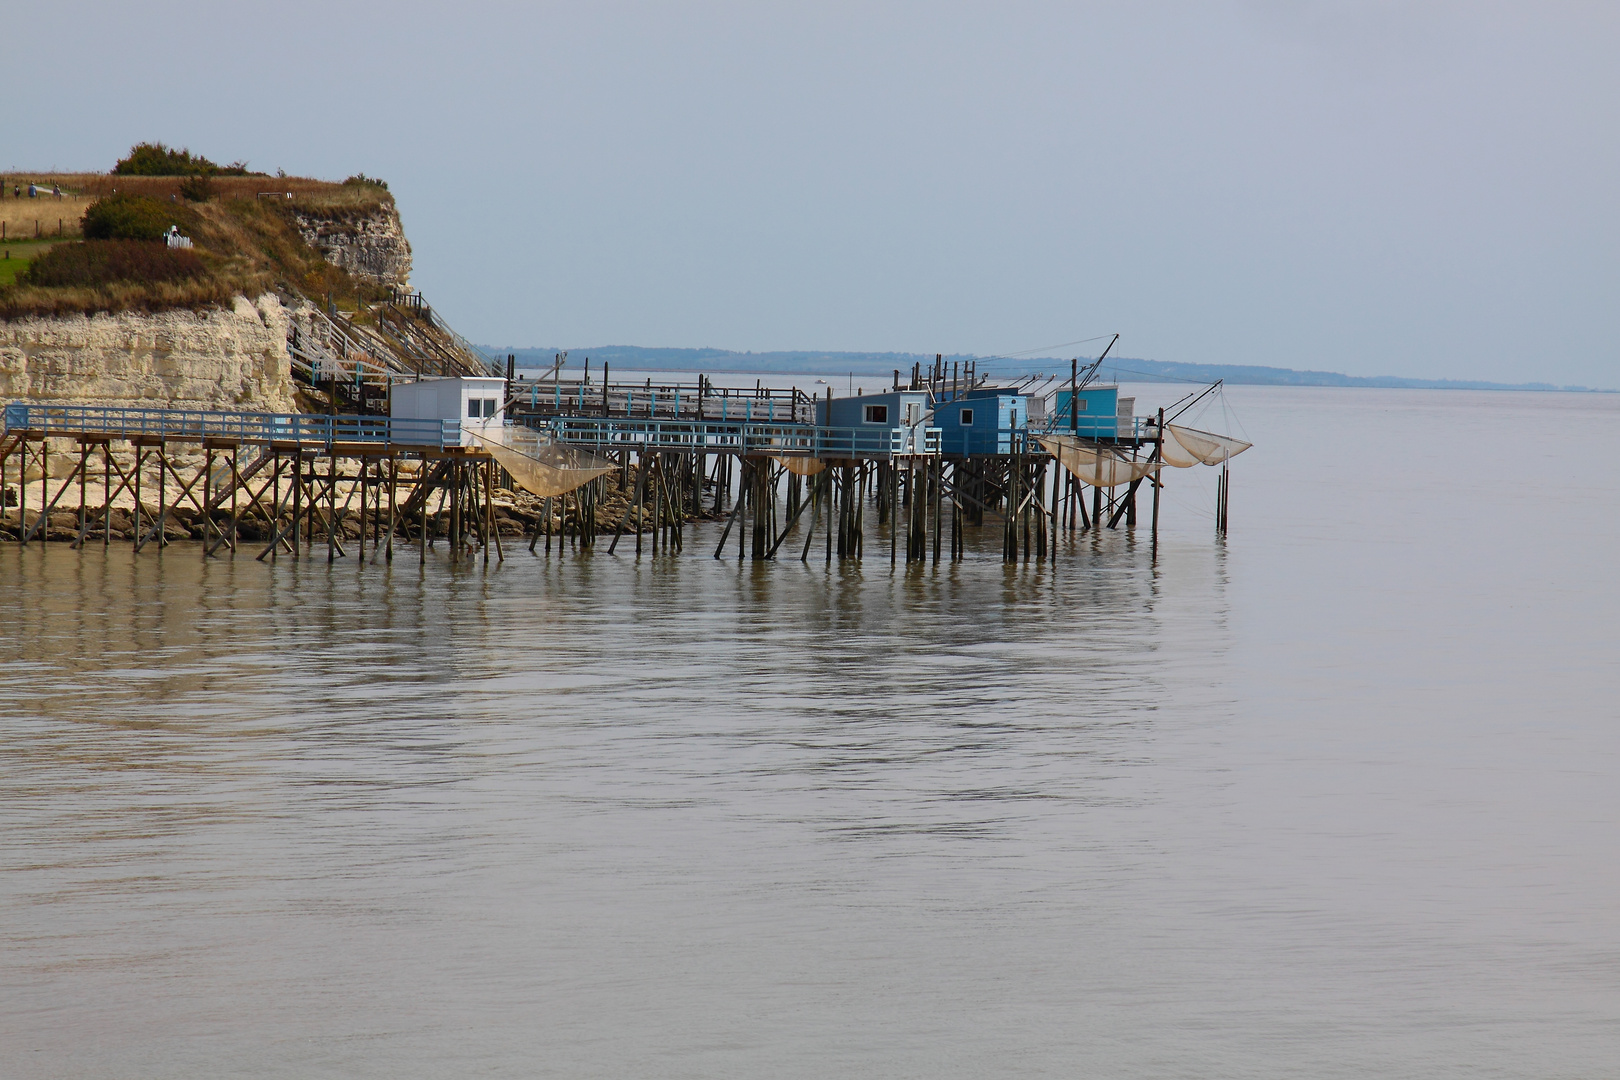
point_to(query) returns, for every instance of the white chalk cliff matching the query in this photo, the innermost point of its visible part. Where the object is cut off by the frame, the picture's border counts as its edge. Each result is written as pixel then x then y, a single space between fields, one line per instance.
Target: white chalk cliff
pixel 232 359
pixel 371 246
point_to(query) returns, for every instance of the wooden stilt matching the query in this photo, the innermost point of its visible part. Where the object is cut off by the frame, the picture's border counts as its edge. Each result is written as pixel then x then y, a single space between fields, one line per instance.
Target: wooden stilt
pixel 106 494
pixel 236 479
pixel 84 467
pixel 45 502
pixel 1057 500
pixel 489 494
pixel 816 488
pixel 207 483
pixel 360 541
pixel 331 502
pixel 424 492
pixel 297 497
pixel 393 498
pixel 22 493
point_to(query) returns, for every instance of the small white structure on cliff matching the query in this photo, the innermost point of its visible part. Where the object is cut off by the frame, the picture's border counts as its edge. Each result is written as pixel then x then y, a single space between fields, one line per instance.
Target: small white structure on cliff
pixel 476 402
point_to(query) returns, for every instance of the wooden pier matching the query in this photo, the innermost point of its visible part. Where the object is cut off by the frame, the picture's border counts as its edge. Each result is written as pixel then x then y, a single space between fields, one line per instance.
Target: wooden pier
pixel 298 485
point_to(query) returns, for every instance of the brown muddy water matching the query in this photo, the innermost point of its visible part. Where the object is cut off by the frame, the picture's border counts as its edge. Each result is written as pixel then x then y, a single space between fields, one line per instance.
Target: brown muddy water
pixel 1335 798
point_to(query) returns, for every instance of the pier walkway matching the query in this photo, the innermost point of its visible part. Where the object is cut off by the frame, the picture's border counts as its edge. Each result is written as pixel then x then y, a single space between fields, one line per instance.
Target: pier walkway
pixel 197 425
pixel 393 434
pixel 293 480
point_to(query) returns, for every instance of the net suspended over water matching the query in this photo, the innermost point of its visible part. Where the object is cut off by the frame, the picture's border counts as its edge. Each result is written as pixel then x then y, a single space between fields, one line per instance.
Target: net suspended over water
pixel 1095 465
pixel 1185 447
pixel 799 464
pixel 539 464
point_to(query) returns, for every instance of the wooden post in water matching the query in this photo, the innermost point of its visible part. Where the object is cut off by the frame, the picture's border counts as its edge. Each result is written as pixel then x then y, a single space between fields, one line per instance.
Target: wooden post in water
pixel 937 492
pixel 393 499
pixel 641 493
pixel 760 496
pixel 84 465
pixel 236 480
pixel 489 505
pixel 331 503
pixel 1158 455
pixel 654 489
pixel 22 494
pixel 360 541
pixel 106 493
pixel 813 490
pixel 207 486
pixel 832 490
pixel 163 496
pixel 297 496
pixel 312 501
pixel 1009 527
pixel 749 501
pixel 889 492
pixel 958 541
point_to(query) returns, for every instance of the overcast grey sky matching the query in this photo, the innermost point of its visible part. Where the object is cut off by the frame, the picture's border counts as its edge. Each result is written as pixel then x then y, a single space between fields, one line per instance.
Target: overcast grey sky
pixel 1423 189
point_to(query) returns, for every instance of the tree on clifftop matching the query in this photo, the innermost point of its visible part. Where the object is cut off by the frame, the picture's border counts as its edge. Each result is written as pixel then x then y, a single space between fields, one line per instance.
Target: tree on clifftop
pixel 155 159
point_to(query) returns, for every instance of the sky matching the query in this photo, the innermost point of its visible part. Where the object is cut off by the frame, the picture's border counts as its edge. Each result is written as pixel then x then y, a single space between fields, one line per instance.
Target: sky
pixel 1417 189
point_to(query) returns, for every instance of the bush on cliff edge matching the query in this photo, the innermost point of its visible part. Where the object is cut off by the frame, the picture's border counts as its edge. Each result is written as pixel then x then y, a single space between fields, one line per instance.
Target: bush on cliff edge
pixel 102 262
pixel 131 217
pixel 155 159
pixel 197 189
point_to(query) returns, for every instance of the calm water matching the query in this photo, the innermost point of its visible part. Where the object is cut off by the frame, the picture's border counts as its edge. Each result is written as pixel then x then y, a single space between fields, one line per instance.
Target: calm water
pixel 1335 799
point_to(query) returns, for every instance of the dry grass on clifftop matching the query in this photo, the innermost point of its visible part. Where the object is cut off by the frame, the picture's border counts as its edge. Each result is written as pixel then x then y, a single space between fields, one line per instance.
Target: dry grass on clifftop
pixel 24 219
pixel 245 238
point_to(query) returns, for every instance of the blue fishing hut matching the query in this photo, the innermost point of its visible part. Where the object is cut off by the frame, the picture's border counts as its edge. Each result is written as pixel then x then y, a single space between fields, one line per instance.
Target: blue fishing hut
pixel 1098 415
pixel 871 423
pixel 981 421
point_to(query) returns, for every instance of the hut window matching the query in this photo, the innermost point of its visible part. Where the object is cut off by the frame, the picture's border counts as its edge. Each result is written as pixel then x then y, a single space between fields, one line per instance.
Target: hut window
pixel 877 414
pixel 967 417
pixel 1081 407
pixel 475 407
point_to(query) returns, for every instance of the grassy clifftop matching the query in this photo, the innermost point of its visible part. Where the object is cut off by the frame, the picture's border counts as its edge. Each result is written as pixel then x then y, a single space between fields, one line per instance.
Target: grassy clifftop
pixel 242 227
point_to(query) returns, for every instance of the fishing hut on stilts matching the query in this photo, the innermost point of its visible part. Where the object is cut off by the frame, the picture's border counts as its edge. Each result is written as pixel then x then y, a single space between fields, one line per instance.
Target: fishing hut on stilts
pixel 441 446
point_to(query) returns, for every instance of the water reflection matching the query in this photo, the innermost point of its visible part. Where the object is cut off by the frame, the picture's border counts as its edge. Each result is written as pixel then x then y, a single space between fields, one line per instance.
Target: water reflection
pixel 1226 812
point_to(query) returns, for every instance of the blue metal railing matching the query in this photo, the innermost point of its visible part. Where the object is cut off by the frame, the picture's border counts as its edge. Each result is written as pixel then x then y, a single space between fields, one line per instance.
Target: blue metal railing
pixel 709 436
pixel 311 428
pixel 740 437
pixel 989 442
pixel 1120 427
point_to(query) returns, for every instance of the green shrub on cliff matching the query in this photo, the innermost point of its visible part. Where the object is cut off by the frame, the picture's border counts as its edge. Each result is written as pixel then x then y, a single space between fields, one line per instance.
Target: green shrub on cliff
pixel 131 217
pixel 155 159
pixel 102 262
pixel 244 244
pixel 197 189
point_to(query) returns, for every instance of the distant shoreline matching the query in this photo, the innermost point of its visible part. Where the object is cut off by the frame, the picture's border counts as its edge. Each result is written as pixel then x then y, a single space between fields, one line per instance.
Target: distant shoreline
pixel 1124 369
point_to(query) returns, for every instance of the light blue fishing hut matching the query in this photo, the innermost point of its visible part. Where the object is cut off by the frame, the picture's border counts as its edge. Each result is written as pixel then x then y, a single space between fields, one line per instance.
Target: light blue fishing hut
pixel 876 424
pixel 893 410
pixel 1099 414
pixel 982 421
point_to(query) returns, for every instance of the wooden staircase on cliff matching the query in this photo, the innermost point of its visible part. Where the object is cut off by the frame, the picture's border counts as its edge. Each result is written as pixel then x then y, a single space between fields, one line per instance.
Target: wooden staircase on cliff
pixel 352 358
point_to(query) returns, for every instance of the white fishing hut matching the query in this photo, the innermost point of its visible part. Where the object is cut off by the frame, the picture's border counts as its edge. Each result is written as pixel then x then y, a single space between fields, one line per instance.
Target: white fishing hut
pixel 472 400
